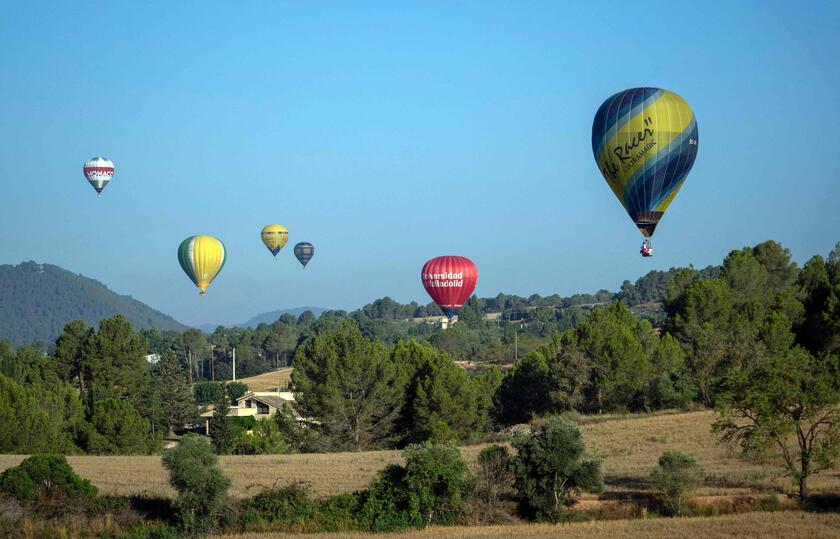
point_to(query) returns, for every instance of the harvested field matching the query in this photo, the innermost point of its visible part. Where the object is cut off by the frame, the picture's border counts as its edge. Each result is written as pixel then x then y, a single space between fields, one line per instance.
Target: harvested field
pixel 269 381
pixel 628 445
pixel 749 525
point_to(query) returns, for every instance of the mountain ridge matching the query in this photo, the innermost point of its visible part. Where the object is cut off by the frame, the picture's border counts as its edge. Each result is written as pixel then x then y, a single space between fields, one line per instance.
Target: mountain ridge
pixel 37 300
pixel 266 317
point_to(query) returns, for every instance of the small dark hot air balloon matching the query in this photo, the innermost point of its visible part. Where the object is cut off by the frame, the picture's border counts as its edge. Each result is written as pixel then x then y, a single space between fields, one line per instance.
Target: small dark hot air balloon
pixel 304 252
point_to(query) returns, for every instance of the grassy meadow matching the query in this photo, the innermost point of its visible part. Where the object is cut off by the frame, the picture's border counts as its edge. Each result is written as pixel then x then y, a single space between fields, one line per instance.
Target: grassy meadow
pixel 628 445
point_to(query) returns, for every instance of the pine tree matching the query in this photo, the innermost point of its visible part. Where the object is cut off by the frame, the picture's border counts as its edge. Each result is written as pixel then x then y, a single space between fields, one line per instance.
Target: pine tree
pixel 70 354
pixel 171 397
pixel 116 359
pixel 350 385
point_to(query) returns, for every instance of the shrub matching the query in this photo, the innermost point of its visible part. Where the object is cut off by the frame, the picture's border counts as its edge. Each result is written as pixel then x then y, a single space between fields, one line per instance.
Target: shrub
pixel 385 505
pixel 550 469
pixel 431 488
pixel 239 424
pixel 289 504
pixel 46 475
pixel 492 478
pixel 437 479
pixel 338 513
pixel 674 478
pixel 202 487
pixel 145 531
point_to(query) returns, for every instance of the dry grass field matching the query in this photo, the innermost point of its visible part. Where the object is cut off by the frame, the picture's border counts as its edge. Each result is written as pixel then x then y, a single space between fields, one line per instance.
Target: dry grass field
pixel 749 525
pixel 269 381
pixel 628 445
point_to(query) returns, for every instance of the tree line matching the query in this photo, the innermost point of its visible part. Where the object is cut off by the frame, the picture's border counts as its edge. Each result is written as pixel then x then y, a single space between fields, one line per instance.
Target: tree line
pixel 523 324
pixel 758 319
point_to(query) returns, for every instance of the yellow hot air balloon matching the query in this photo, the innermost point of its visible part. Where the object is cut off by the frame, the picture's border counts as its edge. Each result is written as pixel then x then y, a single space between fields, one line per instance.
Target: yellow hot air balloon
pixel 275 237
pixel 202 258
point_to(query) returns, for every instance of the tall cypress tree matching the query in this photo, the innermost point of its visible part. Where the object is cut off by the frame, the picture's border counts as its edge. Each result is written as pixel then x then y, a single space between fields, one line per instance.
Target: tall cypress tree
pixel 220 432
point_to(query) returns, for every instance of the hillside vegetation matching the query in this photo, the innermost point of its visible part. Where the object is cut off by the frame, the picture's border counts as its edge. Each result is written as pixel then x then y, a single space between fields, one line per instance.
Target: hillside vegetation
pixel 37 300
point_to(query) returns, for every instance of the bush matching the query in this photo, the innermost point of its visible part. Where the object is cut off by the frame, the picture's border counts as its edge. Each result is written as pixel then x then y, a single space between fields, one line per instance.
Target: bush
pixel 437 478
pixel 145 531
pixel 202 487
pixel 385 505
pixel 46 476
pixel 287 505
pixel 674 478
pixel 492 478
pixel 431 488
pixel 550 469
pixel 338 513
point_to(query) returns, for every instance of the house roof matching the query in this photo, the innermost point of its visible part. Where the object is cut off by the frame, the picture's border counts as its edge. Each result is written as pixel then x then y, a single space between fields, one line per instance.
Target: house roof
pixel 272 398
pixel 274 401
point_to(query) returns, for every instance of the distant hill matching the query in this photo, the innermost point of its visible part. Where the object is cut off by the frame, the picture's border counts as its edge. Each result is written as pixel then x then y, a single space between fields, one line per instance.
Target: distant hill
pixel 272 316
pixel 267 318
pixel 37 300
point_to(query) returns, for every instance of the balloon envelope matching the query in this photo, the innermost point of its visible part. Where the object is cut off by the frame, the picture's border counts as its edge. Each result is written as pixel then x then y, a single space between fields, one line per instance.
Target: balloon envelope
pixel 98 171
pixel 645 142
pixel 450 281
pixel 304 252
pixel 274 237
pixel 202 258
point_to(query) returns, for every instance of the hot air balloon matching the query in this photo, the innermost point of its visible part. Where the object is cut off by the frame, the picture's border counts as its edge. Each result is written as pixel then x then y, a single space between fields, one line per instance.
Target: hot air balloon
pixel 202 258
pixel 449 280
pixel 275 237
pixel 645 142
pixel 98 171
pixel 304 251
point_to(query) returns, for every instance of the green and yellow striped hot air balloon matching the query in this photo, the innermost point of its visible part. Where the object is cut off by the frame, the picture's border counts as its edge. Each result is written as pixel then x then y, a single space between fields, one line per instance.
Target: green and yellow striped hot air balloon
pixel 202 258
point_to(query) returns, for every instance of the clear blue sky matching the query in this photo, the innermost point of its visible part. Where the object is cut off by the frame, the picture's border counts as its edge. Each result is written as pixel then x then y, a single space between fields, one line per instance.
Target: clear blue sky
pixel 387 133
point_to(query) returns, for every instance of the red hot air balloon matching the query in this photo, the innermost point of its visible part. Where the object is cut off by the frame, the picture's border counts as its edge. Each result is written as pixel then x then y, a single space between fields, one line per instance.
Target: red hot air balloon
pixel 450 280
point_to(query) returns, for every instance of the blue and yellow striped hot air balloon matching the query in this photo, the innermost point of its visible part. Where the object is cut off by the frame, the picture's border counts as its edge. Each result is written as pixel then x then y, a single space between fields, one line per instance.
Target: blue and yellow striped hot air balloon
pixel 645 142
pixel 202 258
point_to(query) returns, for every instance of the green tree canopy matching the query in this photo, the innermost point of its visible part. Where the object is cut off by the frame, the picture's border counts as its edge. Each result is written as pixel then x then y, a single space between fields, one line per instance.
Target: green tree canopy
pixel 787 404
pixel 118 429
pixel 442 401
pixel 116 356
pixel 551 468
pixel 351 385
pixel 37 420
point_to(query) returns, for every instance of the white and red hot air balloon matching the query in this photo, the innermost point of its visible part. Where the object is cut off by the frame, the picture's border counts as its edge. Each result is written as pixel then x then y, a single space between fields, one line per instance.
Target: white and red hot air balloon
pixel 450 281
pixel 98 171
